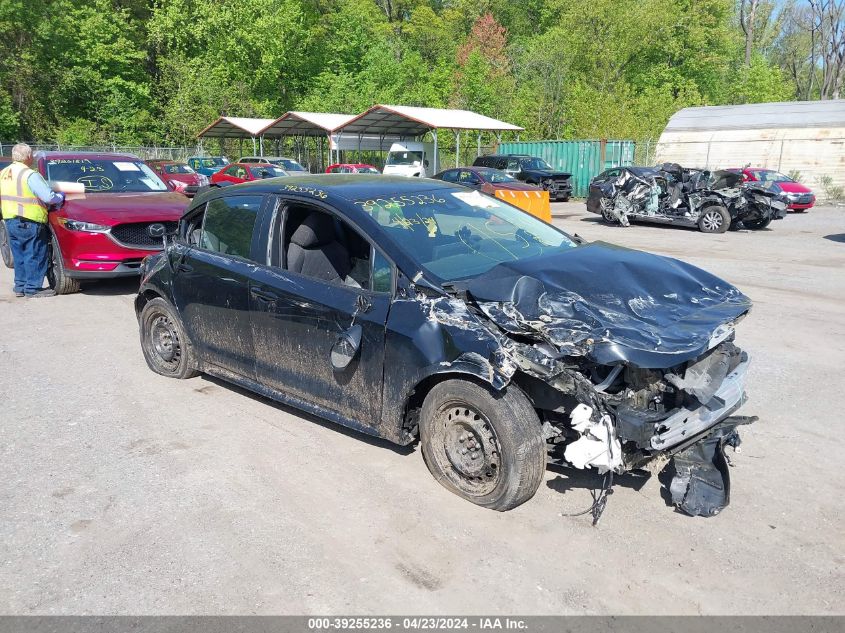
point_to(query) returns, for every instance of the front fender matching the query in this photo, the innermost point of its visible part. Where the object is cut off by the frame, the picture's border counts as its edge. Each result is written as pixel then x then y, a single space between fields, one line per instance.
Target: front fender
pixel 428 336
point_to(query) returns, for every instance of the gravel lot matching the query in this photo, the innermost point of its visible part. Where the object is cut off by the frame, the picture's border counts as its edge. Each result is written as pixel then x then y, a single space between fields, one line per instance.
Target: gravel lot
pixel 127 493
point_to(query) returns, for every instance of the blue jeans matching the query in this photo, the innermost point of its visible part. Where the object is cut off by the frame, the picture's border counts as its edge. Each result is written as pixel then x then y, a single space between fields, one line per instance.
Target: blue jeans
pixel 28 242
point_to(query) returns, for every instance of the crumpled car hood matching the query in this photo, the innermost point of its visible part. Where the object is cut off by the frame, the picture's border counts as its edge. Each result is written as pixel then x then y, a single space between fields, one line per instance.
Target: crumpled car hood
pixel 612 304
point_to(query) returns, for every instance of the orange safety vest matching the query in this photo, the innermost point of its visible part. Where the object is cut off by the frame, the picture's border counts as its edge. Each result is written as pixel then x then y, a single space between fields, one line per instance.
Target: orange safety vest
pixel 16 198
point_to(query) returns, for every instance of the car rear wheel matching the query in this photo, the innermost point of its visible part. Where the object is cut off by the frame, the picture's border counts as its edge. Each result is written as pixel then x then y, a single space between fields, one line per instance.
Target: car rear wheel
pixel 166 348
pixel 484 446
pixel 5 248
pixel 56 273
pixel 714 219
pixel 756 225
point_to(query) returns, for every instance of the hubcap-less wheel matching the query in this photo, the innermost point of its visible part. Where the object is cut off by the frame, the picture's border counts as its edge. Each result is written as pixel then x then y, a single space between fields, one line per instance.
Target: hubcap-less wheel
pixel 712 221
pixel 605 205
pixel 164 340
pixel 472 448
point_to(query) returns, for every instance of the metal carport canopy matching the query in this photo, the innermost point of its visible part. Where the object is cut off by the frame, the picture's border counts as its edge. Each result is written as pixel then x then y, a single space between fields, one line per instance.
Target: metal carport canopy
pixel 232 126
pixel 396 120
pixel 306 124
pixel 413 121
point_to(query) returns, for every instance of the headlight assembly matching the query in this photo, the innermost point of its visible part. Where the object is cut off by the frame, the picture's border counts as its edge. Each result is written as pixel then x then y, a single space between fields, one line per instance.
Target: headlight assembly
pixel 85 227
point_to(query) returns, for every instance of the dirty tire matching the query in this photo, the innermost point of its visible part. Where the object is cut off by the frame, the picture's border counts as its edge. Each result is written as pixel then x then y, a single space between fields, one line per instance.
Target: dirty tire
pixel 166 348
pixel 500 429
pixel 756 225
pixel 606 214
pixel 56 274
pixel 5 247
pixel 714 219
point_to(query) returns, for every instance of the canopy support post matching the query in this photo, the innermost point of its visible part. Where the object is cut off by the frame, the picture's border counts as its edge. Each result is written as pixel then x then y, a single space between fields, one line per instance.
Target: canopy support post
pixel 457 148
pixel 478 146
pixel 261 145
pixel 434 134
pixel 253 146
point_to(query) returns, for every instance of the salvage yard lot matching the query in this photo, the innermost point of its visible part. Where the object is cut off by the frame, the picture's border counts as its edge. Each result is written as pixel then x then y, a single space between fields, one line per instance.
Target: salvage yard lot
pixel 126 492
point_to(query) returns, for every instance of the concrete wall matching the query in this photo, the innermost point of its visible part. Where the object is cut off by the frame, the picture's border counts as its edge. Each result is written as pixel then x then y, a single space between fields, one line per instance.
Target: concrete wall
pixel 815 152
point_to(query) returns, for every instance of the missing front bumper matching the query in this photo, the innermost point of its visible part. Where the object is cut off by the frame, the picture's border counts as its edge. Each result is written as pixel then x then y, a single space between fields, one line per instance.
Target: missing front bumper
pixel 687 423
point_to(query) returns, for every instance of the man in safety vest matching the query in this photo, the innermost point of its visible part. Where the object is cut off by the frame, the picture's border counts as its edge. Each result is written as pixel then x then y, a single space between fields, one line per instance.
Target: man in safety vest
pixel 24 198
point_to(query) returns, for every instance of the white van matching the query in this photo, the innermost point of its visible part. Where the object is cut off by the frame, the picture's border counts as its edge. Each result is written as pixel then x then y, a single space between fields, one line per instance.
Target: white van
pixel 410 158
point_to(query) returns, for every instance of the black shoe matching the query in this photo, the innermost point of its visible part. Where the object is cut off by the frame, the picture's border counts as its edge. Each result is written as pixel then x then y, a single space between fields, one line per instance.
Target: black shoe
pixel 46 292
pixel 19 294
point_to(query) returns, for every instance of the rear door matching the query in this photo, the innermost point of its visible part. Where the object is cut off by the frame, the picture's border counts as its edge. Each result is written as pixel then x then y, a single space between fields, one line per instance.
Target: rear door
pixel 297 319
pixel 211 281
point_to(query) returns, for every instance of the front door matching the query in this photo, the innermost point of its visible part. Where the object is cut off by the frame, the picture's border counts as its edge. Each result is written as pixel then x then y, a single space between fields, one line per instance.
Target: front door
pixel 297 319
pixel 211 282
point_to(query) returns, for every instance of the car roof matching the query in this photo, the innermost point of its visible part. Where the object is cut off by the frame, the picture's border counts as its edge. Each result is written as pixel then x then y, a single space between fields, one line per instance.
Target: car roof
pixel 89 155
pixel 166 161
pixel 349 187
pixel 268 157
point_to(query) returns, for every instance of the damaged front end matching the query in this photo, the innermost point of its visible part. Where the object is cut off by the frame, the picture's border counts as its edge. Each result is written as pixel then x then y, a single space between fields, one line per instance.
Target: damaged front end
pixel 629 358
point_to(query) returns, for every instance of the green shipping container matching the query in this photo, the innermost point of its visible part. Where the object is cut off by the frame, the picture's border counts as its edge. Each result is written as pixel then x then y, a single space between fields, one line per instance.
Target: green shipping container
pixel 583 159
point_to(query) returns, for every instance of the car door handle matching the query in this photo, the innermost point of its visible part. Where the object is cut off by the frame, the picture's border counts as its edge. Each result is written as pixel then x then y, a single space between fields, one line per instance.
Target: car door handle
pixel 263 295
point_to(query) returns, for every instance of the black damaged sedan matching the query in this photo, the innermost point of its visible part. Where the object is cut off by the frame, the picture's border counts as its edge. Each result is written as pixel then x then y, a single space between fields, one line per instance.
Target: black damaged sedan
pixel 420 310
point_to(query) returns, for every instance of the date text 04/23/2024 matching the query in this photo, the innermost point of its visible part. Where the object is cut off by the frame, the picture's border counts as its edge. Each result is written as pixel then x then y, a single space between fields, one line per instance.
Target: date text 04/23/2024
pixel 416 623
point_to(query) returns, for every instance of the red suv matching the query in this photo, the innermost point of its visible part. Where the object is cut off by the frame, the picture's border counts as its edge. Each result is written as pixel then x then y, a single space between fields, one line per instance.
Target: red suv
pixel 106 231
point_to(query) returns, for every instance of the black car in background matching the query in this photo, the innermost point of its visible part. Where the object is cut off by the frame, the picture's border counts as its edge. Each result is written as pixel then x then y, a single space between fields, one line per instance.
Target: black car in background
pixel 533 170
pixel 417 309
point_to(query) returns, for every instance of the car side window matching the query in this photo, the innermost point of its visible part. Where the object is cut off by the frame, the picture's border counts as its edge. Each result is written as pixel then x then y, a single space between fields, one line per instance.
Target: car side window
pixel 321 246
pixel 450 176
pixel 513 164
pixel 228 225
pixel 382 272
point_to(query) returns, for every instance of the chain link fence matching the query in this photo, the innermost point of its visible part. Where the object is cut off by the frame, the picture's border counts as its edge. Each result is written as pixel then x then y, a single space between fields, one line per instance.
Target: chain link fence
pixel 143 152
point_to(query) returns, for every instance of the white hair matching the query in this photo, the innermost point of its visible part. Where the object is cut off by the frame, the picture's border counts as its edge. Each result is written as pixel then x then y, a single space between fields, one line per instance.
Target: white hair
pixel 22 153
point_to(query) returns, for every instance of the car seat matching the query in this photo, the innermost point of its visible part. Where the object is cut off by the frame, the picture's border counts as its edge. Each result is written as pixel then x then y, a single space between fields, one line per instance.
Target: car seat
pixel 315 251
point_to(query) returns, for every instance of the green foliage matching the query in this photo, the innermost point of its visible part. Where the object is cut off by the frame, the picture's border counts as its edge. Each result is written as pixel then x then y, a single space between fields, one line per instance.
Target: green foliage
pixel 795 175
pixel 158 71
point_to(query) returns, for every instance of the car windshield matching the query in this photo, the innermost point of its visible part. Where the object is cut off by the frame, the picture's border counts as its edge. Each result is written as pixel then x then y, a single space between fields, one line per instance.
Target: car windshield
pixel 535 163
pixel 267 171
pixel 494 175
pixel 105 175
pixel 214 162
pixel 177 169
pixel 767 175
pixel 455 234
pixel 404 158
pixel 288 164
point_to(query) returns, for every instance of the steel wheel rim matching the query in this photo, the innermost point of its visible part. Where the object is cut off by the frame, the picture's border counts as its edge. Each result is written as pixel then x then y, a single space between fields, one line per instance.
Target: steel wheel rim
pixel 472 450
pixel 712 220
pixel 604 203
pixel 164 342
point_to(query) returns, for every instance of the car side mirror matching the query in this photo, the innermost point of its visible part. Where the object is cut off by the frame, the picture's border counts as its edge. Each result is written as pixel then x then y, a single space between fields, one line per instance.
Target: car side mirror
pixel 346 347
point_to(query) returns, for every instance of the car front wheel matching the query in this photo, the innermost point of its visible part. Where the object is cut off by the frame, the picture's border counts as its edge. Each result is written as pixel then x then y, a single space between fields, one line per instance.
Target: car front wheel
pixel 484 446
pixel 166 348
pixel 714 219
pixel 756 225
pixel 56 273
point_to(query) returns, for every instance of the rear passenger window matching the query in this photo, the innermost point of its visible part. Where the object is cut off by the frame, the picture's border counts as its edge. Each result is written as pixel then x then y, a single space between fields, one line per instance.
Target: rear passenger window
pixel 229 223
